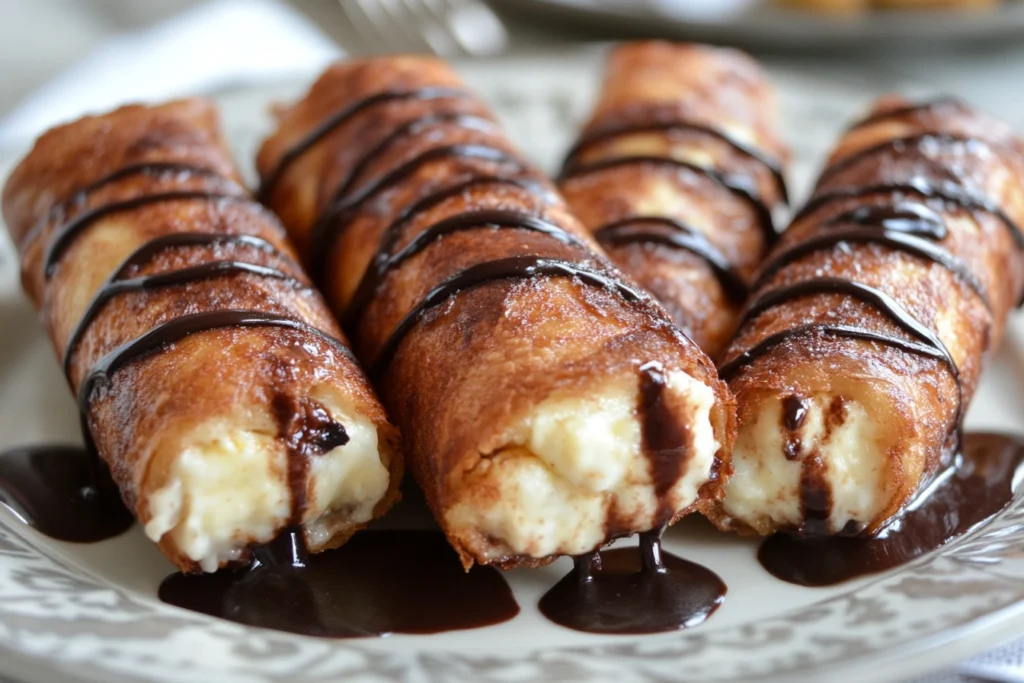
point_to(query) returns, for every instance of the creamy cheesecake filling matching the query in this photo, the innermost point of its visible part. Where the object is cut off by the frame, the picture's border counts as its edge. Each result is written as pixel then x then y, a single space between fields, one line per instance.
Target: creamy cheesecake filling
pixel 574 465
pixel 764 491
pixel 229 488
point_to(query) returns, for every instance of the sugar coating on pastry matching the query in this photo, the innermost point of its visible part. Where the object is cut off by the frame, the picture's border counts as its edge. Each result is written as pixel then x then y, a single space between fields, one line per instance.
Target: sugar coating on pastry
pixel 228 489
pixel 573 470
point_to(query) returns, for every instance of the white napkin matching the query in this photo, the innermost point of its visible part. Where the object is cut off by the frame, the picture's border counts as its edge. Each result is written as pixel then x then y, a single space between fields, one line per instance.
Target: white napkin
pixel 211 46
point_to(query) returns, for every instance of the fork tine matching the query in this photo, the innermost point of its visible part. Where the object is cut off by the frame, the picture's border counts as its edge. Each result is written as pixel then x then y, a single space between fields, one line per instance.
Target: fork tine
pixel 357 38
pixel 380 33
pixel 444 27
pixel 406 23
pixel 434 32
pixel 470 23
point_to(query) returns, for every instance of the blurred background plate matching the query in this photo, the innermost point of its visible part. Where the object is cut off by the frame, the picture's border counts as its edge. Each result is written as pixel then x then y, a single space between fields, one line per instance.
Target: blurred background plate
pixel 766 25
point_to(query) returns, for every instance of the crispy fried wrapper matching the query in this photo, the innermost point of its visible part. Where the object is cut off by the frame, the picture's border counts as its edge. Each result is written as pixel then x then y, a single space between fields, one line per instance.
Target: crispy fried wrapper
pixel 850 396
pixel 222 438
pixel 549 405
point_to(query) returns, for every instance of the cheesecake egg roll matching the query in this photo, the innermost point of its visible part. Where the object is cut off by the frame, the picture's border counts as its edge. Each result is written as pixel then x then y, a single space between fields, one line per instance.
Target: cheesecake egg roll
pixel 677 174
pixel 212 379
pixel 549 405
pixel 861 349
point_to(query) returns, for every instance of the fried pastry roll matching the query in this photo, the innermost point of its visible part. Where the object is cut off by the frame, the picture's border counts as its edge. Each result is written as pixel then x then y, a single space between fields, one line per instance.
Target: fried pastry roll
pixel 859 354
pixel 676 175
pixel 212 379
pixel 548 404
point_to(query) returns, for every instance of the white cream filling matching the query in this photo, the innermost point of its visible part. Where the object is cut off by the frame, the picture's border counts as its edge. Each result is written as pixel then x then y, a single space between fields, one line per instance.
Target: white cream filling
pixel 764 490
pixel 229 489
pixel 570 462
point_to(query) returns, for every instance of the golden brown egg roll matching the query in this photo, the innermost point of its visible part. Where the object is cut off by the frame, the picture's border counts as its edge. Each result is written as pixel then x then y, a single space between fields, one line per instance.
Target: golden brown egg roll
pixel 212 378
pixel 676 175
pixel 549 405
pixel 861 349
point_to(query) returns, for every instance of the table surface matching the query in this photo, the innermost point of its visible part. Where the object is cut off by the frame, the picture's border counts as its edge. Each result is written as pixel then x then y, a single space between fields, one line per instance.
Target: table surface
pixel 39 38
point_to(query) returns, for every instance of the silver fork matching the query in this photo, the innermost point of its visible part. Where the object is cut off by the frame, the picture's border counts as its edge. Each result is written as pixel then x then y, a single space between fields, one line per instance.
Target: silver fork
pixel 448 28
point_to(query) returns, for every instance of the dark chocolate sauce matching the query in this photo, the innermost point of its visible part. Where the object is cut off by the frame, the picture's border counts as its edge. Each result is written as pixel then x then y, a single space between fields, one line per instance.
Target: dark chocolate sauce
pixel 407 129
pixel 964 495
pixel 771 163
pixel 878 300
pixel 794 412
pixel 630 590
pixel 339 118
pixel 68 232
pixel 903 217
pixel 670 232
pixel 384 262
pixel 205 271
pixel 666 441
pixel 176 329
pixel 815 495
pixel 737 185
pixel 734 365
pixel 900 241
pixel 335 217
pixel 514 267
pixel 156 168
pixel 943 101
pixel 59 491
pixel 898 145
pixel 307 430
pixel 946 192
pixel 380 582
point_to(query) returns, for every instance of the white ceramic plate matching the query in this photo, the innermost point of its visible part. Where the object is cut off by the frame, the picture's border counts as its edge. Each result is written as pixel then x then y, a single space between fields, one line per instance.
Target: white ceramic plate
pixel 90 613
pixel 766 25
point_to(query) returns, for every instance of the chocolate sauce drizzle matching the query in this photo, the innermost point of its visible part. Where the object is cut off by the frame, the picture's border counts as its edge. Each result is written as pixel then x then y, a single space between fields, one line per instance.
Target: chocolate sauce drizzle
pixel 384 261
pixel 149 169
pixel 67 233
pixel 670 232
pixel 622 591
pixel 117 284
pixel 963 496
pixel 513 267
pixel 666 442
pixel 338 213
pixel 898 241
pixel 737 185
pixel 407 129
pixel 769 162
pixel 929 343
pixel 896 145
pixel 378 583
pixel 58 491
pixel 794 412
pixel 946 192
pixel 913 108
pixel 903 217
pixel 338 119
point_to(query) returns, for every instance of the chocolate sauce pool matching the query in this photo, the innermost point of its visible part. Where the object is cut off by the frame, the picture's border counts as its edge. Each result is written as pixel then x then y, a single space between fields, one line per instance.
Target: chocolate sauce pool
pixel 966 494
pixel 378 583
pixel 54 490
pixel 626 591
